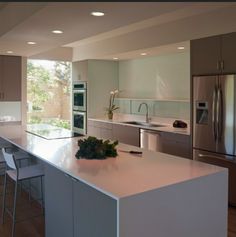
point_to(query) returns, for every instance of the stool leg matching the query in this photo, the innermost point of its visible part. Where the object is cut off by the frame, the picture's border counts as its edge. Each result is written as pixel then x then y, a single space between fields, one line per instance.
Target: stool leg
pixel 4 197
pixel 14 210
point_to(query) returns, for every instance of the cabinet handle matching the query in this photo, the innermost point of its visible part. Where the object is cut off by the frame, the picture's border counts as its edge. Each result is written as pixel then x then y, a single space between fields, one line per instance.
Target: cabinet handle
pixel 3 95
pixel 222 65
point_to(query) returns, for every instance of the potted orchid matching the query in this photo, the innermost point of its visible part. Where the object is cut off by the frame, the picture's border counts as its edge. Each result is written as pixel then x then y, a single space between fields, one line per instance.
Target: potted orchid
pixel 112 106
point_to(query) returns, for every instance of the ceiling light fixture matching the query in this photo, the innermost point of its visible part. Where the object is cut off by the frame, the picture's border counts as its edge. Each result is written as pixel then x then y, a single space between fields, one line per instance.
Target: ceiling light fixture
pixel 143 54
pixel 181 47
pixel 115 58
pixel 57 31
pixel 9 51
pixel 31 42
pixel 97 13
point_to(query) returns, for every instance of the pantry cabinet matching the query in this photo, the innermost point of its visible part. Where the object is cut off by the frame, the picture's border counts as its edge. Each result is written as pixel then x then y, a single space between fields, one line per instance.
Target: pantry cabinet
pixel 213 55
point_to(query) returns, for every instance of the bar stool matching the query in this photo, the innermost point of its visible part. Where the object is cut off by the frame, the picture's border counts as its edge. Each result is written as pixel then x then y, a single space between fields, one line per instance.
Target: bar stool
pixel 19 156
pixel 18 174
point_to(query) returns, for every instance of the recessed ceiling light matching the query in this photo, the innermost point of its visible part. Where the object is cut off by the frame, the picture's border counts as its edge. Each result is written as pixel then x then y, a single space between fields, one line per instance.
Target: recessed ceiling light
pixel 9 51
pixel 31 42
pixel 115 58
pixel 57 31
pixel 97 13
pixel 181 47
pixel 143 54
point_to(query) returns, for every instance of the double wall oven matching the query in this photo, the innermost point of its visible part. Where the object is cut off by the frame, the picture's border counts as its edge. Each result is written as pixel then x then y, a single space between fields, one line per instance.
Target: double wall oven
pixel 79 106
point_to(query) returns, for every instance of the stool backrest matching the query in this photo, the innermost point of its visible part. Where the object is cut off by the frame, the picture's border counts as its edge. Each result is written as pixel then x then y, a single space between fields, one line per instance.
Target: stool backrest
pixel 9 158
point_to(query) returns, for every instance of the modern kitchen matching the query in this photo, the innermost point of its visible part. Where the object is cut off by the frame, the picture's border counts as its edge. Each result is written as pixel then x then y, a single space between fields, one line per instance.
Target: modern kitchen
pixel 133 134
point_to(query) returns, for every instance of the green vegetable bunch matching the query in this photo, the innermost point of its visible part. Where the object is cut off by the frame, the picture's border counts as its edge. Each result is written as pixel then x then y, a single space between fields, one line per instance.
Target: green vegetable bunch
pixel 93 148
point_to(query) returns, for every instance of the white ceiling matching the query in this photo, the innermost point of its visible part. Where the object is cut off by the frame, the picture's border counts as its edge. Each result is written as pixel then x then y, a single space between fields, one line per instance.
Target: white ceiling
pixel 34 22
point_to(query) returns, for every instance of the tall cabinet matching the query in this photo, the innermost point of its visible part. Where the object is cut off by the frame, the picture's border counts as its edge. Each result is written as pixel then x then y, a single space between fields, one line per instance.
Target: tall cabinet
pixel 10 78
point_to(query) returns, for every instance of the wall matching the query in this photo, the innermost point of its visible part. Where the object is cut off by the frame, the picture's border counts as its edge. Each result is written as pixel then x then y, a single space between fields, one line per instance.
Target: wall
pixel 164 80
pixel 160 77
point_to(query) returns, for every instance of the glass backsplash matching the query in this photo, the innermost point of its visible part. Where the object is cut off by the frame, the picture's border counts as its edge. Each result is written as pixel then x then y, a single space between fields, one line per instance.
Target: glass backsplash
pixel 157 108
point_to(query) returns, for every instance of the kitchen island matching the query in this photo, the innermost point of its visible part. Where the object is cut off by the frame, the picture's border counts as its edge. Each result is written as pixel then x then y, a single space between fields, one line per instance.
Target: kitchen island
pixel 151 195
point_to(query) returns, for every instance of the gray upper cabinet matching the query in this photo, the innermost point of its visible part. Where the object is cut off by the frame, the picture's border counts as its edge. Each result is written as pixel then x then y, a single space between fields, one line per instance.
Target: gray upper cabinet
pixel 229 53
pixel 10 78
pixel 205 56
pixel 213 55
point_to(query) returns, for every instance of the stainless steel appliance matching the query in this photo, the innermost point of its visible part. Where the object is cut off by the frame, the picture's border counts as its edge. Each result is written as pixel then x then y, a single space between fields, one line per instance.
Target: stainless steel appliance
pixel 80 96
pixel 79 122
pixel 79 105
pixel 151 140
pixel 214 118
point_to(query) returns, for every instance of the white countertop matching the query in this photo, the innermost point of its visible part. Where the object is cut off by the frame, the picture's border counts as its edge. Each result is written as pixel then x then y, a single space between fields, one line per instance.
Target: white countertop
pixel 118 177
pixel 168 123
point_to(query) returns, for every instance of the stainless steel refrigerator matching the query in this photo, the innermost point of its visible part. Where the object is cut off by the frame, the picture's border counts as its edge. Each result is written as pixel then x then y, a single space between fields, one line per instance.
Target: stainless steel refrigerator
pixel 214 118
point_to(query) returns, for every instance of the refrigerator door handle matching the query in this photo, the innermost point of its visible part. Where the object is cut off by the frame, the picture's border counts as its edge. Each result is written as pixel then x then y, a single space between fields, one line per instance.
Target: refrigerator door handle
pixel 219 112
pixel 214 114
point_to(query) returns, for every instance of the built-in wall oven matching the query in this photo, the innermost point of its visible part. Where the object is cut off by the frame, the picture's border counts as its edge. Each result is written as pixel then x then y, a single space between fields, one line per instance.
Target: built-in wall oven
pixel 79 122
pixel 79 106
pixel 80 96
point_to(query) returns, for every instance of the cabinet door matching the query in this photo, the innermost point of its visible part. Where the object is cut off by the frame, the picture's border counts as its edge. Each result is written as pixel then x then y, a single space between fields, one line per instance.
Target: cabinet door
pixel 229 52
pixel 205 55
pixel 11 78
pixel 94 131
pixel 126 134
pixel 176 144
pixel 58 203
pixel 95 214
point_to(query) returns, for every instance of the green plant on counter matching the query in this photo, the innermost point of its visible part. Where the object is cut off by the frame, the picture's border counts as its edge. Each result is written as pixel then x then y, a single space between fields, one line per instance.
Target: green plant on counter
pixel 93 148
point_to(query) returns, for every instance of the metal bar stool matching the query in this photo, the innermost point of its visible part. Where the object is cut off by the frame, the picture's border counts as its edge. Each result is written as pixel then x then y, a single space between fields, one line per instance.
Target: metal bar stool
pixel 18 174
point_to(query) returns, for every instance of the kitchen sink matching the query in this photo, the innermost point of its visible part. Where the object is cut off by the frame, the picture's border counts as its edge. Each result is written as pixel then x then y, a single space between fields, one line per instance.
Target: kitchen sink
pixel 144 124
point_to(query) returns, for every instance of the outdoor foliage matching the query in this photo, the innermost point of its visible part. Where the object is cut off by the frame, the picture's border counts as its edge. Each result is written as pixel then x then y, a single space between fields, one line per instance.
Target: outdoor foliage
pixel 40 81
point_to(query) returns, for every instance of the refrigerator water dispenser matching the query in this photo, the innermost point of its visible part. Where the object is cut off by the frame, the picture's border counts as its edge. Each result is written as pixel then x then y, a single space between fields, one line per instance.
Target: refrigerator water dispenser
pixel 202 112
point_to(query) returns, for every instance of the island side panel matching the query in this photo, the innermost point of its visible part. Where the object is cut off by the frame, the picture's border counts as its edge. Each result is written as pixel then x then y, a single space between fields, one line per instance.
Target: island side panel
pixel 58 203
pixel 193 208
pixel 95 214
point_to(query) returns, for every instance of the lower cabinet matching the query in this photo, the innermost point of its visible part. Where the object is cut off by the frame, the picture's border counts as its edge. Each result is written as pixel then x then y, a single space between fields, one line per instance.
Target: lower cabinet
pixel 176 144
pixel 100 129
pixel 126 134
pixel 122 133
pixel 166 142
pixel 74 209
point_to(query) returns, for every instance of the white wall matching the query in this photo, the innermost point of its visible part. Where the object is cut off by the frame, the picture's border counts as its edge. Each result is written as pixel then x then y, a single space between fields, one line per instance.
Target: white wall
pixel 160 77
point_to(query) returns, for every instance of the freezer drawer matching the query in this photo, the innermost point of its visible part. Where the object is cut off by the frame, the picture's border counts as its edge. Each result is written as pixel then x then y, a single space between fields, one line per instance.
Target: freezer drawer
pixel 223 161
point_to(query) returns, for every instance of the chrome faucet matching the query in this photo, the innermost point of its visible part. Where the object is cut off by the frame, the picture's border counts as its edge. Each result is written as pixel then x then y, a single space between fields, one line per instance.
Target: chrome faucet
pixel 139 108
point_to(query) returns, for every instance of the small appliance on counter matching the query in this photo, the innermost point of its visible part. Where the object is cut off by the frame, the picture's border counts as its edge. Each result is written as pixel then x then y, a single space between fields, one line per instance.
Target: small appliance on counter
pixel 79 107
pixel 179 124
